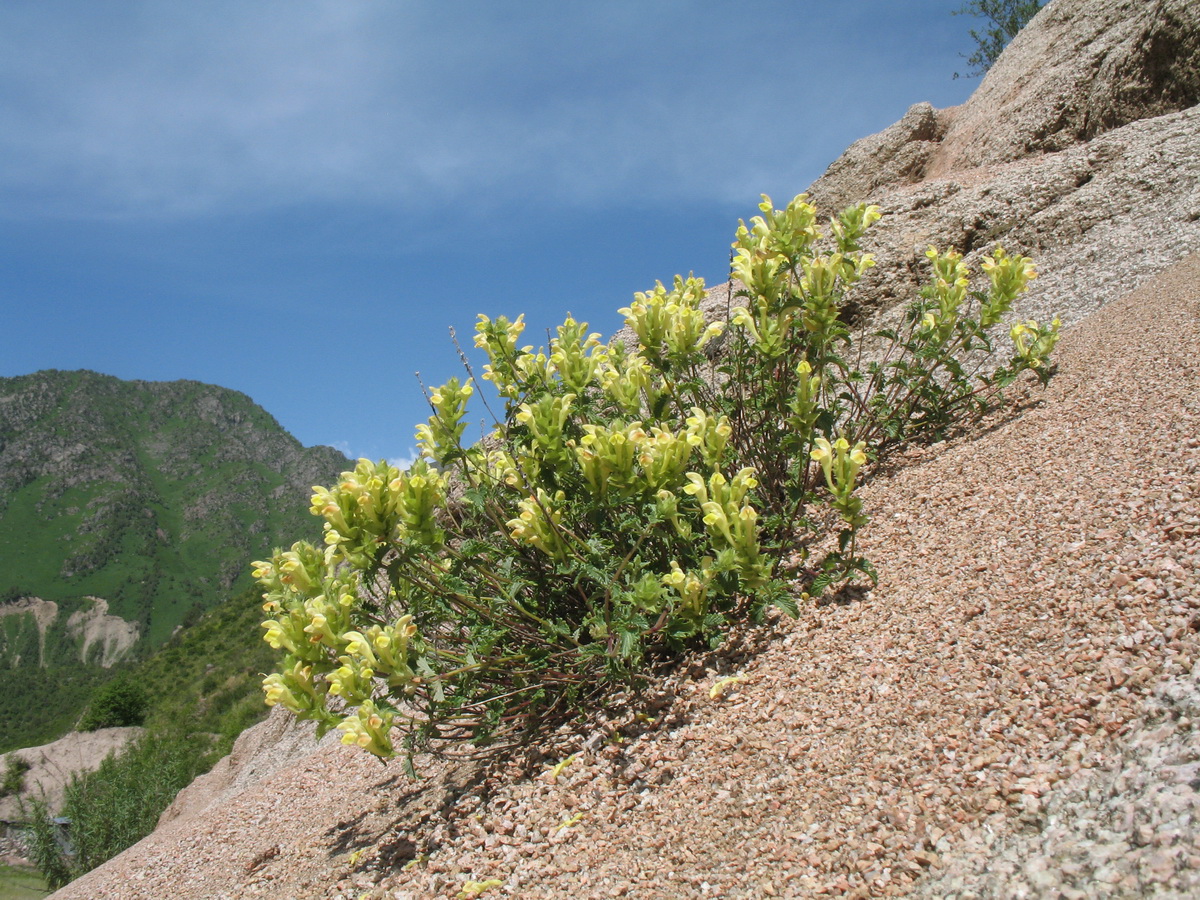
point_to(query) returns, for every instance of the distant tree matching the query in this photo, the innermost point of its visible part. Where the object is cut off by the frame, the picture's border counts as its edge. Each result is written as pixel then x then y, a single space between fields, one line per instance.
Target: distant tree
pixel 118 704
pixel 1005 18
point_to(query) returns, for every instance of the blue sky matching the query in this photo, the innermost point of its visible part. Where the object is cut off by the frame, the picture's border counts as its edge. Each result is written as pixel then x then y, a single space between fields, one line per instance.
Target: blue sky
pixel 298 198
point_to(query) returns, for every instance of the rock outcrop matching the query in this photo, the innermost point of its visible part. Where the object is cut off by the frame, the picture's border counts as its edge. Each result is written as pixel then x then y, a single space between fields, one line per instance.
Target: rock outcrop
pixel 260 751
pixel 41 615
pixel 1079 70
pixel 1081 148
pixel 895 156
pixel 111 637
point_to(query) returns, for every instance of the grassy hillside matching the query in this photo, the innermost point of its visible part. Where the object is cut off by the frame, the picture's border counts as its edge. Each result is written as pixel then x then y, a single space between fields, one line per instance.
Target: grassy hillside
pixel 208 677
pixel 203 688
pixel 39 705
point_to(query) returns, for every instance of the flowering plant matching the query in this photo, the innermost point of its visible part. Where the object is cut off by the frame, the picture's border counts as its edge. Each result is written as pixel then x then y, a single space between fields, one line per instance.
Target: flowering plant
pixel 632 501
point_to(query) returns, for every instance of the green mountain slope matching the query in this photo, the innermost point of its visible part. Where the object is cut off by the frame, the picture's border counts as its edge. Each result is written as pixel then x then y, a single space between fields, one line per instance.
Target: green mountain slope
pixel 151 496
pixel 208 678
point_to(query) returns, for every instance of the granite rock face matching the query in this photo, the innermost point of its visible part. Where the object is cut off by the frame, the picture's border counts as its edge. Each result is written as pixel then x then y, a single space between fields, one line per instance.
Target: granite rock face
pixel 1080 69
pixel 1124 829
pixel 897 155
pixel 1098 218
pixel 1081 148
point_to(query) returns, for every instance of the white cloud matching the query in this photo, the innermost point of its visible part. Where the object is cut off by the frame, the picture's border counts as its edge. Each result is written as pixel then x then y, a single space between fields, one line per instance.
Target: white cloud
pixel 404 462
pixel 178 109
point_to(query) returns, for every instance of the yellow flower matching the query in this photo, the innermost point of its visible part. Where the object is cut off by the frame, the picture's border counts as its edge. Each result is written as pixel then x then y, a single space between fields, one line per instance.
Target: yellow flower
pixel 722 685
pixel 822 454
pixel 474 888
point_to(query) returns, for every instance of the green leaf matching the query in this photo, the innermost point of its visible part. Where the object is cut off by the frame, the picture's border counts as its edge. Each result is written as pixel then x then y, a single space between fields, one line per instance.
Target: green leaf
pixel 627 643
pixel 864 565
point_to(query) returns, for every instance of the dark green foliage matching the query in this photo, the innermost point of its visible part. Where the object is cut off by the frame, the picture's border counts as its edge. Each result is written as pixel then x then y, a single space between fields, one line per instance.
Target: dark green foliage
pixel 1005 18
pixel 45 849
pixel 40 705
pixel 151 495
pixel 13 778
pixel 119 704
pixel 119 804
pixel 207 679
pixel 201 691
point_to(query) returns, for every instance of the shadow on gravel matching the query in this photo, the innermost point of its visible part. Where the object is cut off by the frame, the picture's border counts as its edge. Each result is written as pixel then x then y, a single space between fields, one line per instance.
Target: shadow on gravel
pixel 406 807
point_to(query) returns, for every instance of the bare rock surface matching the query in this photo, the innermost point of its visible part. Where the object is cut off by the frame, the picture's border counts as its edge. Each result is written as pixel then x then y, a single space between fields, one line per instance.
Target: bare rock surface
pixel 1127 828
pixel 1079 69
pixel 897 155
pixel 259 752
pixel 94 626
pixel 52 765
pixel 1099 218
pixel 1081 149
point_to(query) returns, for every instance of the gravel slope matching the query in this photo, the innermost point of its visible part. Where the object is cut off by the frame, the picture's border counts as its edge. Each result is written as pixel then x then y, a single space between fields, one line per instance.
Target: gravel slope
pixel 993 702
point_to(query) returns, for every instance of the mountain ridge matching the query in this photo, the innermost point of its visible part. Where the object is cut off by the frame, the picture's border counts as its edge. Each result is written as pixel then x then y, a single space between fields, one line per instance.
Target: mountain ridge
pixel 127 508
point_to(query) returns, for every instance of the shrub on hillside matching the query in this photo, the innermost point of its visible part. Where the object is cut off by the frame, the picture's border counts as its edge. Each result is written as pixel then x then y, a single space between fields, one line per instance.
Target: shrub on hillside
pixel 13 780
pixel 46 845
pixel 118 704
pixel 631 502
